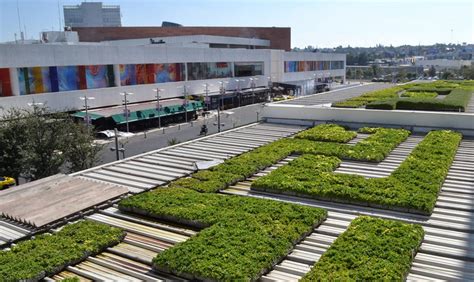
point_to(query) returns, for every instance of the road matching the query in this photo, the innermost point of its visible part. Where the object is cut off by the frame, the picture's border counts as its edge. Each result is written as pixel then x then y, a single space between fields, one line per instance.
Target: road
pixel 158 138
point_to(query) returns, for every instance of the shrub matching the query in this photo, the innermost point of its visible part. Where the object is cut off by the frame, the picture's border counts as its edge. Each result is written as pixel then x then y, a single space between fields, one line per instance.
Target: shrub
pixel 383 105
pixel 243 237
pixel 420 94
pixel 371 249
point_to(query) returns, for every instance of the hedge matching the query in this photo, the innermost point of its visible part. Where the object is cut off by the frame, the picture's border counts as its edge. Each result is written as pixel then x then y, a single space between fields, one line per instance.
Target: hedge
pixel 369 97
pixel 458 95
pixel 242 239
pixel 374 148
pixel 412 187
pixel 327 133
pixel 371 249
pixel 49 254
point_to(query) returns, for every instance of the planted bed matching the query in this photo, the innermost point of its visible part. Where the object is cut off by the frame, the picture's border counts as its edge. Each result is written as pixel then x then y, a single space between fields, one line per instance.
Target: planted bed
pixel 49 254
pixel 371 249
pixel 412 187
pixel 242 237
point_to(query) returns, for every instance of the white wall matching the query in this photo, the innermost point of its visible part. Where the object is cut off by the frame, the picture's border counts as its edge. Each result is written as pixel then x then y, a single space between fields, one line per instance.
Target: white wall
pixel 16 56
pixel 418 120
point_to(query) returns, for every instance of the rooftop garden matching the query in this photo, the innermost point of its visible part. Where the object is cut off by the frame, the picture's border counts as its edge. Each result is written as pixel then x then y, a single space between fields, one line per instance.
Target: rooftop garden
pixel 434 96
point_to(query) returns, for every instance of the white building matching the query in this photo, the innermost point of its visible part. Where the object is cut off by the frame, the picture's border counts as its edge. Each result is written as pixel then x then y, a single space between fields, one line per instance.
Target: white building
pixel 58 74
pixel 92 14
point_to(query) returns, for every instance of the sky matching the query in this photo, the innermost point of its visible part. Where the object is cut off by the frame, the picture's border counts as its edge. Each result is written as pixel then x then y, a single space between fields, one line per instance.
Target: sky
pixel 319 23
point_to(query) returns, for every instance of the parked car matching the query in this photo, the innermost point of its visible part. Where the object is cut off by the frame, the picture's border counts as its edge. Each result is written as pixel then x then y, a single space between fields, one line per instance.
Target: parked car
pixel 6 182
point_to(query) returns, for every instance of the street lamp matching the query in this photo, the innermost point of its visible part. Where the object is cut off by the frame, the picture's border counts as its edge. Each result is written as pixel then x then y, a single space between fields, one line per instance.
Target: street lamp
pixel 207 94
pixel 270 88
pixel 239 90
pixel 158 106
pixel 252 86
pixel 221 92
pixel 86 107
pixel 185 103
pixel 126 111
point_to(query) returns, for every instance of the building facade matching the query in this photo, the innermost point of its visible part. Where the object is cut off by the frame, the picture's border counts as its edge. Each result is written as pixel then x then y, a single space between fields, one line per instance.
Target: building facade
pixel 59 74
pixel 92 14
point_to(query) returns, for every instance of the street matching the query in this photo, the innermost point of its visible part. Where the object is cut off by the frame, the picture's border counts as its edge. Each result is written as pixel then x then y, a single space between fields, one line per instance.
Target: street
pixel 158 138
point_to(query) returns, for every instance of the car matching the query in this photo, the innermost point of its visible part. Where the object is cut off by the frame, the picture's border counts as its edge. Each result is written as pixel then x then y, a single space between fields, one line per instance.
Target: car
pixel 6 182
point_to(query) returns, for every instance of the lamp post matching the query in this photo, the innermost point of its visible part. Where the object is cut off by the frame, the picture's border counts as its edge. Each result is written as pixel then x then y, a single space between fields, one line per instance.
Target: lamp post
pixel 252 86
pixel 185 103
pixel 158 106
pixel 221 92
pixel 270 88
pixel 126 112
pixel 239 90
pixel 86 107
pixel 207 94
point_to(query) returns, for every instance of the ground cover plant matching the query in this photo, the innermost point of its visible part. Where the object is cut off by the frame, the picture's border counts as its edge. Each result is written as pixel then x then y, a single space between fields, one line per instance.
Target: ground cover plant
pixel 242 238
pixel 374 148
pixel 328 133
pixel 419 94
pixel 412 187
pixel 416 96
pixel 48 254
pixel 371 249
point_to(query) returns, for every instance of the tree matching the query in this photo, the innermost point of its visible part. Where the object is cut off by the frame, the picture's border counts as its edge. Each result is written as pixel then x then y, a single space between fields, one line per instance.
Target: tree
pixel 447 75
pixel 37 143
pixel 376 70
pixel 432 71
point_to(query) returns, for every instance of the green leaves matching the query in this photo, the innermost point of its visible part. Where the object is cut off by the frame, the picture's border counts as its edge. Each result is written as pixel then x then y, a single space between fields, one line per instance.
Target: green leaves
pixel 242 238
pixel 47 254
pixel 370 249
pixel 327 133
pixel 413 186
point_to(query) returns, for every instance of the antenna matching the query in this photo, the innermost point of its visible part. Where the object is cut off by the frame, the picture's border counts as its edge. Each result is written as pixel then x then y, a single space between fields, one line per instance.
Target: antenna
pixel 18 12
pixel 59 16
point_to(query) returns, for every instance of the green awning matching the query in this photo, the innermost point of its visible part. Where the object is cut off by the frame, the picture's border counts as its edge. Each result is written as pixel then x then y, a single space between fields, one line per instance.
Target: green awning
pixel 82 114
pixel 154 113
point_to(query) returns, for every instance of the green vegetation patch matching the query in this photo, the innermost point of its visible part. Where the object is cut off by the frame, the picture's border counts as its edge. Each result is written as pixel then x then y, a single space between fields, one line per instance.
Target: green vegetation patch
pixel 417 96
pixel 364 99
pixel 374 148
pixel 327 133
pixel 420 94
pixel 412 187
pixel 371 249
pixel 243 237
pixel 48 254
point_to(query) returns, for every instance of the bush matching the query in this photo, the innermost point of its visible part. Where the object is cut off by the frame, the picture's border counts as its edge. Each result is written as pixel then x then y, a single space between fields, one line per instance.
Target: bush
pixel 457 101
pixel 420 94
pixel 243 237
pixel 371 249
pixel 327 133
pixel 48 254
pixel 367 98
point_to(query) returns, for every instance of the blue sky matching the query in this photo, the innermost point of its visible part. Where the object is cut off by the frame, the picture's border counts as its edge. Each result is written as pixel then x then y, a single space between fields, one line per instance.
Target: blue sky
pixel 318 23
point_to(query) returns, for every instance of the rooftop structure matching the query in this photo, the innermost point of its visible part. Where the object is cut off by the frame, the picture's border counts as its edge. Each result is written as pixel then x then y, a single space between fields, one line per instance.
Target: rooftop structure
pixel 92 14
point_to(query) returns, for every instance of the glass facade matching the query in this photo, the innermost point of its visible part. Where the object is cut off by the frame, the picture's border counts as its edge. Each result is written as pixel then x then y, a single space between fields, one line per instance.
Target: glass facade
pixel 248 69
pixel 199 71
pixel 300 66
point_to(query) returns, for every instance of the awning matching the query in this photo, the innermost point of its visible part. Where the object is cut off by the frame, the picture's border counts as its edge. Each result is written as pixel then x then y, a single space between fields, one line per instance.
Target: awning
pixel 145 114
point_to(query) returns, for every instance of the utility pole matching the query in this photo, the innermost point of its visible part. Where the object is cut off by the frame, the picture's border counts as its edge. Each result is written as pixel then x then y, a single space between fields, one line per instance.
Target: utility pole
pixel 158 106
pixel 185 103
pixel 252 86
pixel 86 107
pixel 126 112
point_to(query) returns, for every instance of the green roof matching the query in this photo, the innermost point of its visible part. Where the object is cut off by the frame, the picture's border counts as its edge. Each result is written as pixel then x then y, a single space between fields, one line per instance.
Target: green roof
pixel 92 116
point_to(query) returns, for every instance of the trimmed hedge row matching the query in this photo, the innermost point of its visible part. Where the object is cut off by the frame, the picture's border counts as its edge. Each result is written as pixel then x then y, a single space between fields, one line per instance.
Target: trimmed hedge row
pixel 48 254
pixel 369 97
pixel 374 148
pixel 371 249
pixel 243 237
pixel 417 97
pixel 456 101
pixel 412 187
pixel 327 133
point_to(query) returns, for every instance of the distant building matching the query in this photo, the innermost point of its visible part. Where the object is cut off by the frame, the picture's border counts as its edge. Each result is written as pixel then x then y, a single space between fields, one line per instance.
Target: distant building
pixel 92 14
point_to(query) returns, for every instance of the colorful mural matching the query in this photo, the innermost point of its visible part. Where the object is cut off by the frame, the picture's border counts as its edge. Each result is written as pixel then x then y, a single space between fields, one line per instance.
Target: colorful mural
pixel 299 66
pixel 198 71
pixel 96 76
